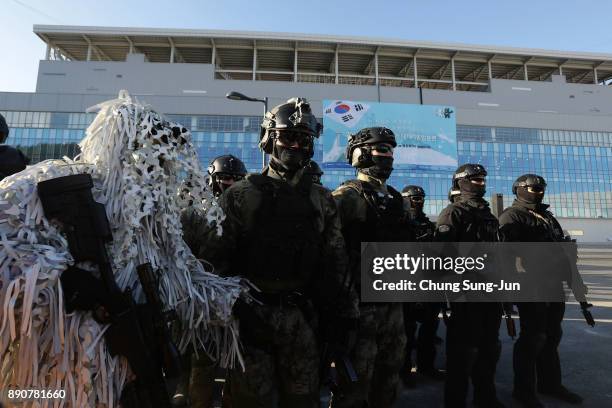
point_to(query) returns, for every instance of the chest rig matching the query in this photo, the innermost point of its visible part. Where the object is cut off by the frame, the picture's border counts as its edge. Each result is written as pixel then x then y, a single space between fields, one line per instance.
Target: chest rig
pixel 282 250
pixel 385 221
pixel 480 224
pixel 542 226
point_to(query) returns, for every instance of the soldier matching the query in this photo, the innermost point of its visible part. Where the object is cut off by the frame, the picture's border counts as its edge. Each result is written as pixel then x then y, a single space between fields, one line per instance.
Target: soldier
pixel 472 341
pixel 424 313
pixel 287 232
pixel 11 160
pixel 313 170
pixel 225 171
pixel 536 355
pixel 197 383
pixel 372 211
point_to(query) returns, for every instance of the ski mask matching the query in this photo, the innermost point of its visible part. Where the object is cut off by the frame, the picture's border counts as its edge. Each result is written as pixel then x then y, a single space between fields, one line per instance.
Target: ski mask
pixel 474 187
pixel 531 194
pixel 290 159
pixel 416 203
pixel 381 169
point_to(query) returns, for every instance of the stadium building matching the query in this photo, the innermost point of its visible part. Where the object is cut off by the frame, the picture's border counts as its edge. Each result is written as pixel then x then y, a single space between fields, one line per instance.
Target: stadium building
pixel 517 110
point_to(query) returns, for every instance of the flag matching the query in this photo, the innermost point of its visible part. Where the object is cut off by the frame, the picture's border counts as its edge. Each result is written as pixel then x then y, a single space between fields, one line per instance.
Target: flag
pixel 346 113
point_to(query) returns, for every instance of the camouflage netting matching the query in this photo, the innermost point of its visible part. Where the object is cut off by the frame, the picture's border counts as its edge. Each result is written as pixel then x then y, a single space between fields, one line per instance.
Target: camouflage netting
pixel 137 160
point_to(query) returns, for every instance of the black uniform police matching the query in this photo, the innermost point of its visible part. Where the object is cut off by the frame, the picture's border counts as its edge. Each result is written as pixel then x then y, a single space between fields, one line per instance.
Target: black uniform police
pixel 536 358
pixel 472 342
pixel 224 171
pixel 314 171
pixel 424 313
pixel 11 160
pixel 372 211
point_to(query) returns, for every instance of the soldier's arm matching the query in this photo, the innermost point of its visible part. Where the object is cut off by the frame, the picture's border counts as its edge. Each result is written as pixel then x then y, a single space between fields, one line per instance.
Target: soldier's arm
pixel 337 258
pixel 447 225
pixel 510 226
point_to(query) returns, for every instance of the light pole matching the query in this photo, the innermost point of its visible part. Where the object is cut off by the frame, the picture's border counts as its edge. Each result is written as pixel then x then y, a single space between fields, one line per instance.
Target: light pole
pixel 237 96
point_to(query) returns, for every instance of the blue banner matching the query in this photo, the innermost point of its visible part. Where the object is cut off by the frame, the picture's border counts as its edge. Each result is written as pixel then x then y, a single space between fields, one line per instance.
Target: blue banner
pixel 426 134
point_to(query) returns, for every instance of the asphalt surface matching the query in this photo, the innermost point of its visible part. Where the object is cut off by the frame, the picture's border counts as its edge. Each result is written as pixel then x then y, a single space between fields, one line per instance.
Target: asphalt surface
pixel 586 352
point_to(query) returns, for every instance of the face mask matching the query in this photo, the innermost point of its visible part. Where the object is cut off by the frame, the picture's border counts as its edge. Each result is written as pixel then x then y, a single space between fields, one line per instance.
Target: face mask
pixel 382 168
pixel 470 189
pixel 417 203
pixel 529 197
pixel 289 158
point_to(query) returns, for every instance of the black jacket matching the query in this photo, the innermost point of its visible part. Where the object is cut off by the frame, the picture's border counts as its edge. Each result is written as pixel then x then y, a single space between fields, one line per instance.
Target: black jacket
pixel 467 220
pixel 523 222
pixel 11 161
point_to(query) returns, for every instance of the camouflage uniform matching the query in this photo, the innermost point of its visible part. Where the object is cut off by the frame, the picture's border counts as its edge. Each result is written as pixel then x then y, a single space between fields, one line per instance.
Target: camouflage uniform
pixel 285 237
pixel 381 339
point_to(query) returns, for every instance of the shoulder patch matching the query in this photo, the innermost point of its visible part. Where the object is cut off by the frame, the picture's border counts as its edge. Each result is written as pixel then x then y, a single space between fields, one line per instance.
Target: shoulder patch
pixel 444 228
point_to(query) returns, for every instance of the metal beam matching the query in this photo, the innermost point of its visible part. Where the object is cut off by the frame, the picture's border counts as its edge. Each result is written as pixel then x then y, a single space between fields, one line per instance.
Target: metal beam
pixel 453 73
pixel 174 52
pixel 416 71
pixel 295 63
pixel 97 49
pixel 376 67
pixel 336 61
pixel 254 59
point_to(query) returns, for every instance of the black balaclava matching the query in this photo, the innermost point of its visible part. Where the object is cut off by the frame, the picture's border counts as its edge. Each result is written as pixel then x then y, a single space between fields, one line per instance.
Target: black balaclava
pixel 381 169
pixel 523 194
pixel 417 207
pixel 288 160
pixel 471 190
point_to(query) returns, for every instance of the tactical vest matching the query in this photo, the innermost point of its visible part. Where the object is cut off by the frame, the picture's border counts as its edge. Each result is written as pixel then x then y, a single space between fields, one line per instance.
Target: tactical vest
pixel 422 227
pixel 544 227
pixel 283 249
pixel 385 220
pixel 480 225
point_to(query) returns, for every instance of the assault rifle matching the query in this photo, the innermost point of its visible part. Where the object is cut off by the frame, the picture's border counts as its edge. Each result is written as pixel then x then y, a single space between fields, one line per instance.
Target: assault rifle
pixel 576 284
pixel 139 332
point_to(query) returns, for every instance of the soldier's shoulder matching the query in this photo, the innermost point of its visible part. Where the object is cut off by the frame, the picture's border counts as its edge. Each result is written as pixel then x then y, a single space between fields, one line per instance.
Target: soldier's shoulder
pixel 348 189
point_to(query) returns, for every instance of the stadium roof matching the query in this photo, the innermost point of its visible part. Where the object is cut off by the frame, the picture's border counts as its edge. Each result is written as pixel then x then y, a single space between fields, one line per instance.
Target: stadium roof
pixel 325 58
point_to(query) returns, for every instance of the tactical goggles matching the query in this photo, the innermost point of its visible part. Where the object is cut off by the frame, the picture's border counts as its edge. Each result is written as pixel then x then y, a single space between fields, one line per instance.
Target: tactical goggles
pixel 382 148
pixel 228 177
pixel 291 137
pixel 417 199
pixel 478 180
pixel 537 188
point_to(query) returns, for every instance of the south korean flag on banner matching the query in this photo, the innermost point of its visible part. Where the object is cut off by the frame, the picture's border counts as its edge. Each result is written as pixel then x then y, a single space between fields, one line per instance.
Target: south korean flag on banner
pixel 346 113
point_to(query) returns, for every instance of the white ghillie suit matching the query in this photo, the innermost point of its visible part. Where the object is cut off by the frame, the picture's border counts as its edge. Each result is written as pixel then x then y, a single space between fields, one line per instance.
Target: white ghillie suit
pixel 136 160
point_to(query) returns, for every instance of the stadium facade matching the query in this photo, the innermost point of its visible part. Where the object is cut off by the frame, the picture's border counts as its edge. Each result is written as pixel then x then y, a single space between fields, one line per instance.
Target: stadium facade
pixel 518 110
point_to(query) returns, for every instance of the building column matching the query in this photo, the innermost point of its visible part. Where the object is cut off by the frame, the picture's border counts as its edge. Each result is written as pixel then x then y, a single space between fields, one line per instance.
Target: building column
pixel 416 72
pixel 453 73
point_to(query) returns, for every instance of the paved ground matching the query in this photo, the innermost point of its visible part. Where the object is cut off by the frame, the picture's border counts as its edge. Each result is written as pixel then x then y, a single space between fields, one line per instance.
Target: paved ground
pixel 586 353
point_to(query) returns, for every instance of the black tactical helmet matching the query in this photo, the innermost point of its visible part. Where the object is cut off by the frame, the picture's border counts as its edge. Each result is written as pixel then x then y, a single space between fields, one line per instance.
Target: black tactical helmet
pixel 227 164
pixel 528 180
pixel 293 114
pixel 410 191
pixel 362 158
pixel 468 170
pixel 4 129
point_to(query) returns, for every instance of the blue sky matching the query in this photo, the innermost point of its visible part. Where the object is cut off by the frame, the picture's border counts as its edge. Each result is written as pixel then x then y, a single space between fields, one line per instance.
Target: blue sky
pixel 579 25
